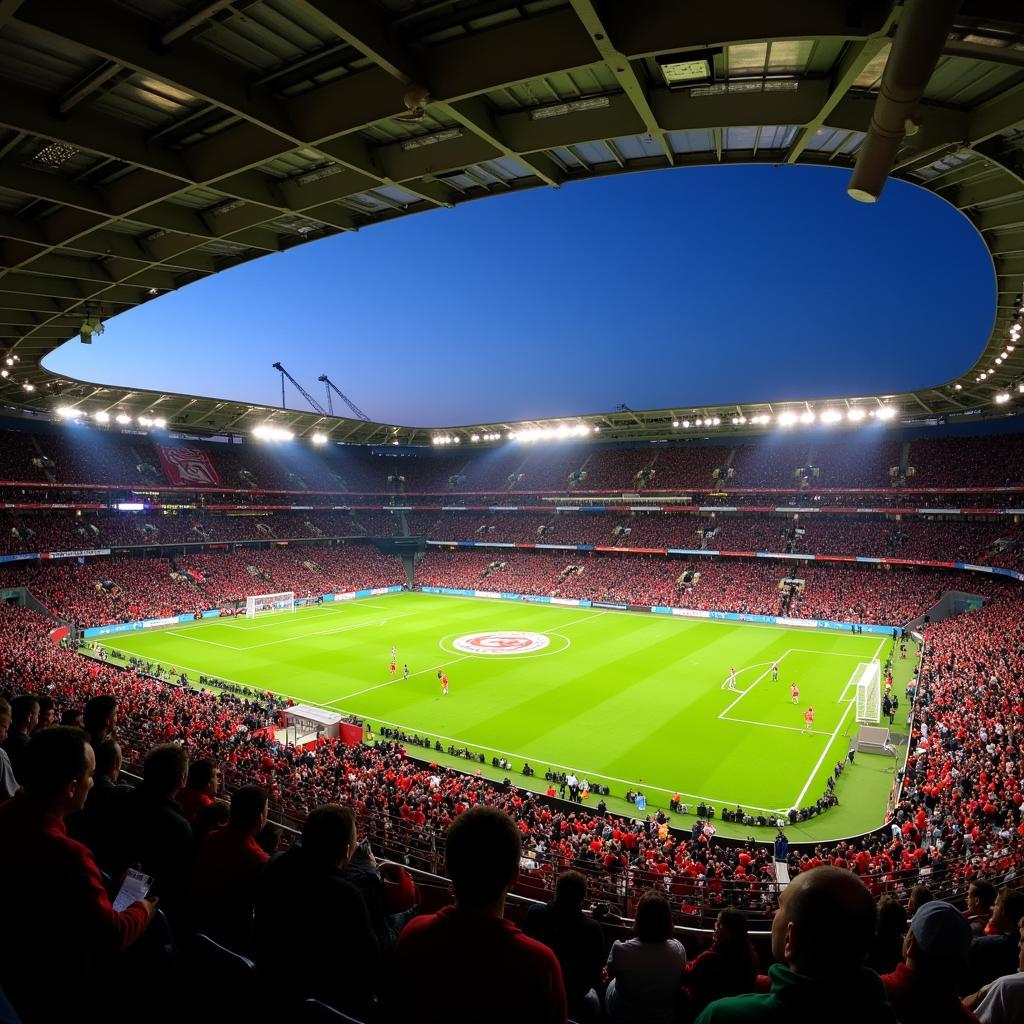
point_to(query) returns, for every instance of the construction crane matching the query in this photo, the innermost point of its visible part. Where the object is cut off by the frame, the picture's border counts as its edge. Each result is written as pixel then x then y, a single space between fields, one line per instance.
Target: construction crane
pixel 330 386
pixel 301 390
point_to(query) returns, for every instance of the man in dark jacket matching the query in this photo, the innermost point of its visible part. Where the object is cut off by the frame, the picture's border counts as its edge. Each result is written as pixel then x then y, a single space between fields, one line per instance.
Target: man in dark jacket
pixel 996 953
pixel 821 935
pixel 97 825
pixel 155 835
pixel 577 941
pixel 333 953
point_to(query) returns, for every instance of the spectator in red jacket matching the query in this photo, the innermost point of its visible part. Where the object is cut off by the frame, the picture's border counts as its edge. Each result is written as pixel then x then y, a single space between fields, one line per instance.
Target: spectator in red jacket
pixel 466 963
pixel 59 925
pixel 727 968
pixel 923 989
pixel 227 868
pixel 200 789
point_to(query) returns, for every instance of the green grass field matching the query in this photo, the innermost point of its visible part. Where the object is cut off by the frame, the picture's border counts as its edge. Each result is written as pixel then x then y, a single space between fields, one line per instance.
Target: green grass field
pixel 631 700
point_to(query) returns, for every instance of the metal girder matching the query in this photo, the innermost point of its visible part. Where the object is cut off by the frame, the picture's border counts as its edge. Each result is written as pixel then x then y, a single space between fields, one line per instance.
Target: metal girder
pixel 624 72
pixel 854 60
pixel 992 189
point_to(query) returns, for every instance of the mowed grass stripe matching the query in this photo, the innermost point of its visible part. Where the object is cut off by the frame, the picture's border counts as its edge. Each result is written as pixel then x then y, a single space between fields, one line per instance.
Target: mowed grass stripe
pixel 632 697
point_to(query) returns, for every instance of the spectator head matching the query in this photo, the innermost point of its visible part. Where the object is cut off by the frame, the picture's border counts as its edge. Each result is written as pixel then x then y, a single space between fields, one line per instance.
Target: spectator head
pixel 981 897
pixel 824 924
pixel 268 839
pixel 919 896
pixel 108 759
pixel 47 713
pixel 56 769
pixel 203 775
pixel 731 927
pixel 164 769
pixel 100 716
pixel 329 836
pixel 24 713
pixel 653 921
pixel 249 808
pixel 891 918
pixel 73 717
pixel 1008 910
pixel 482 855
pixel 571 890
pixel 5 718
pixel 938 941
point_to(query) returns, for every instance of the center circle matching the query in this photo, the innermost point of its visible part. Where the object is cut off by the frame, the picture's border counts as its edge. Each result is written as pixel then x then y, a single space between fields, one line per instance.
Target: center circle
pixel 501 642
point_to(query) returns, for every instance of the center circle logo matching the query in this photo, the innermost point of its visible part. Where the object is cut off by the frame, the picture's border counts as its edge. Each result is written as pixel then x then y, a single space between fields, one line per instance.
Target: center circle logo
pixel 505 642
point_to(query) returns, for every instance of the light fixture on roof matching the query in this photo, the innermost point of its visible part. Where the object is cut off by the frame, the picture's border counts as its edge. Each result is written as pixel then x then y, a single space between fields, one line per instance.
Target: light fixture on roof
pixel 319 438
pixel 786 419
pixel 715 421
pixel 5 373
pixel 831 416
pixel 474 438
pixel 29 387
pixel 686 424
pixel 123 418
pixel 445 135
pixel 807 417
pixel 268 432
pixel 957 387
pixel 1002 398
pixel 887 412
pixel 571 107
pixel 999 360
pixel 101 416
pixel 855 415
pixel 145 421
pixel 91 325
pixel 66 412
pixel 693 67
pixel 159 422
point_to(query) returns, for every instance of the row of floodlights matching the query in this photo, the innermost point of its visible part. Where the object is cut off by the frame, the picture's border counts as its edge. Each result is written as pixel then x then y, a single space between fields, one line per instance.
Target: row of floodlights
pixel 533 434
pixel 268 432
pixel 66 412
pixel 789 419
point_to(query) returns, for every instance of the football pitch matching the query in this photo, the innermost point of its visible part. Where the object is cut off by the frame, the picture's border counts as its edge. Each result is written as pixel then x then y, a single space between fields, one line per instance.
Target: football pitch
pixel 626 699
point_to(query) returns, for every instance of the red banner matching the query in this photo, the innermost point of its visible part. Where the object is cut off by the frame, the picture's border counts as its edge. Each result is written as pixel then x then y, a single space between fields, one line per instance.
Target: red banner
pixel 184 466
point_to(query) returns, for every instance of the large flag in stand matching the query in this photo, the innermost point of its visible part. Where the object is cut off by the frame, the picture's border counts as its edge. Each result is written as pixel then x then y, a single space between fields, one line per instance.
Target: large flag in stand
pixel 184 466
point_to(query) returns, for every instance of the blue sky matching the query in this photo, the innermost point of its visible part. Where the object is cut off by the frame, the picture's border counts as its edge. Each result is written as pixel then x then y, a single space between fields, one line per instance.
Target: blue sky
pixel 700 285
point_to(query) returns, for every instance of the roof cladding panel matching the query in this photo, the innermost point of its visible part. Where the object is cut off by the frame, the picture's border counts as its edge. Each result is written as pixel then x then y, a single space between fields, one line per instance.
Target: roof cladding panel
pixel 245 127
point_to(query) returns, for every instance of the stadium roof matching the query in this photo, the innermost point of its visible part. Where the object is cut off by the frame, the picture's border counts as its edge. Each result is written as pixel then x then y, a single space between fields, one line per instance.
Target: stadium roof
pixel 145 144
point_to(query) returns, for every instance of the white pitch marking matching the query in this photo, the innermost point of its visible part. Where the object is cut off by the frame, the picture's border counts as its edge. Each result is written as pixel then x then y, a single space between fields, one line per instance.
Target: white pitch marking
pixel 824 754
pixel 390 682
pixel 754 683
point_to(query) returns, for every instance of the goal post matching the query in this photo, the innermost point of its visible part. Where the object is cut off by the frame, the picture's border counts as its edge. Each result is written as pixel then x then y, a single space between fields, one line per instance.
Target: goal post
pixel 867 682
pixel 263 604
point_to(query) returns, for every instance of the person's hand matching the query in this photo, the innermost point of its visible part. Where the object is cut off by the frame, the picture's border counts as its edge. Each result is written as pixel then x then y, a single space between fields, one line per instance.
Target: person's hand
pixel 150 905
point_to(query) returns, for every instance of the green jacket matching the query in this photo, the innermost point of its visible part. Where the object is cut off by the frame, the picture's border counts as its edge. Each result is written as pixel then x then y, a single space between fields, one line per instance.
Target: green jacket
pixel 858 997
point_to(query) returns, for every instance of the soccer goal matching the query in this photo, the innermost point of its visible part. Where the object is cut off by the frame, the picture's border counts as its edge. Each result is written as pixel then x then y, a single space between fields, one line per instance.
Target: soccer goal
pixel 261 604
pixel 867 682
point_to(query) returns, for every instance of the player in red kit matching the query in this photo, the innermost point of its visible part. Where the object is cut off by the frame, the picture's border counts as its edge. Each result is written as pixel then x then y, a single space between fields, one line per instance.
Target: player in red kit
pixel 444 683
pixel 809 718
pixel 794 692
pixel 394 668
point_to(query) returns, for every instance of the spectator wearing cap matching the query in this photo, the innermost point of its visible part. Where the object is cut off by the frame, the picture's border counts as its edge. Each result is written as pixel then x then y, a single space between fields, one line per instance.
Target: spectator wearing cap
pixel 8 783
pixel 997 953
pixel 923 989
pixel 466 963
pixel 24 716
pixel 577 941
pixel 1002 1002
pixel 645 971
pixel 821 936
pixel 60 933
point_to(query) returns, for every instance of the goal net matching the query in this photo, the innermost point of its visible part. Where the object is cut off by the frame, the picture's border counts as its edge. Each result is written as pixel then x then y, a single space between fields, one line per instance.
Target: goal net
pixel 261 604
pixel 867 681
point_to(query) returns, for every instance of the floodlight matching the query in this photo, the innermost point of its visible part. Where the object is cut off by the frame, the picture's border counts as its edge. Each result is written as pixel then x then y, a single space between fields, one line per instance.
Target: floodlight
pixel 957 387
pixel 319 439
pixel 787 419
pixel 102 417
pixel 29 387
pixel 159 422
pixel 831 416
pixel 268 432
pixel 686 423
pixel 5 373
pixel 123 419
pixel 145 421
pixel 474 438
pixel 999 361
pixel 855 415
pixel 687 68
pixel 9 361
pixel 65 412
pixel 1002 398
pixel 807 417
pixel 887 412
pixel 675 423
